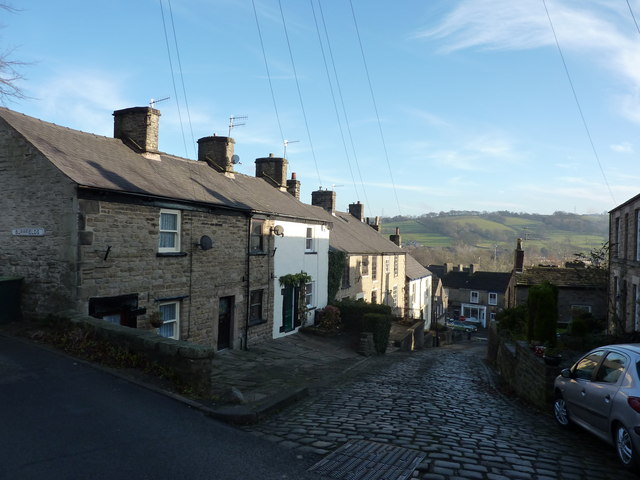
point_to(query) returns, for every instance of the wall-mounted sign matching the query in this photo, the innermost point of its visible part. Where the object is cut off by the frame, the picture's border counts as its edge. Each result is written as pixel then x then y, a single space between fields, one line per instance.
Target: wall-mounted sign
pixel 28 232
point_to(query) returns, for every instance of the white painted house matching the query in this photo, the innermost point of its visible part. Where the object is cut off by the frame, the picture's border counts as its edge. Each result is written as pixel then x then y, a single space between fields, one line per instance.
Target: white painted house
pixel 418 291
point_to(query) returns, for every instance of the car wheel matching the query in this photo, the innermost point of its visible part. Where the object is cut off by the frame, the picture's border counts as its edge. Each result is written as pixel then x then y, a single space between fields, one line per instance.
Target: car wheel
pixel 560 412
pixel 624 447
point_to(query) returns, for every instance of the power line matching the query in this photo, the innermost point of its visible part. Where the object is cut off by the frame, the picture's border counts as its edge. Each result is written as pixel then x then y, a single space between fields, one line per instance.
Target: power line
pixel 266 66
pixel 344 109
pixel 184 90
pixel 295 73
pixel 633 16
pixel 375 107
pixel 173 80
pixel 333 97
pixel 575 97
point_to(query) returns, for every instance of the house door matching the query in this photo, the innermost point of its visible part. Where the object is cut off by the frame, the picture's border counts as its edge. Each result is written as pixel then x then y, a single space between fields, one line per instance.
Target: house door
pixel 225 315
pixel 290 319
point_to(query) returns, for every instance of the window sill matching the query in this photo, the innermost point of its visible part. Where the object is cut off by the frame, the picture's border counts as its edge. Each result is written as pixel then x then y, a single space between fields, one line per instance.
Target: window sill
pixel 257 254
pixel 171 254
pixel 310 252
pixel 256 322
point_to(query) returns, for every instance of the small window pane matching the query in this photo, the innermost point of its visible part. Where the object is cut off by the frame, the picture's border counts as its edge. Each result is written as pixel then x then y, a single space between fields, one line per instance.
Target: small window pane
pixel 612 368
pixel 168 221
pixel 167 240
pixel 587 365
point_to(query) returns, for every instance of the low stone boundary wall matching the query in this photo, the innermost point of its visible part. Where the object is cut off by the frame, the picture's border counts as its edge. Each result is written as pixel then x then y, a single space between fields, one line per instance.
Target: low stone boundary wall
pixel 408 337
pixel 522 372
pixel 190 362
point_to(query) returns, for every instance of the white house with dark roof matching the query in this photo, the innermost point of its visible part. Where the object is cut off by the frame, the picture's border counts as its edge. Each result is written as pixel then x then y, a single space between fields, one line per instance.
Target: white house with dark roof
pixel 127 233
pixel 375 266
pixel 418 292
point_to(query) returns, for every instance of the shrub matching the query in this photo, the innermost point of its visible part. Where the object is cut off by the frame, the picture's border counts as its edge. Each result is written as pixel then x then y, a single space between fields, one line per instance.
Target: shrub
pixel 329 319
pixel 380 325
pixel 542 305
pixel 513 320
pixel 353 311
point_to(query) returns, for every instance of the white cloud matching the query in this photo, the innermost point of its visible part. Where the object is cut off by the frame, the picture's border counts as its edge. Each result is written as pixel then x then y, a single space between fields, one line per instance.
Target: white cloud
pixel 624 147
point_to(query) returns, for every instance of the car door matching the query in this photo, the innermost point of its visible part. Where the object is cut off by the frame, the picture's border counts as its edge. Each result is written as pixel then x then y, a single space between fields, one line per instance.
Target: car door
pixel 576 389
pixel 601 390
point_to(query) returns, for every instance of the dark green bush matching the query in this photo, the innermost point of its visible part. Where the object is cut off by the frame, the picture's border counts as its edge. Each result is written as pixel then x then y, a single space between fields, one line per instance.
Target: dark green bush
pixel 353 311
pixel 380 325
pixel 513 320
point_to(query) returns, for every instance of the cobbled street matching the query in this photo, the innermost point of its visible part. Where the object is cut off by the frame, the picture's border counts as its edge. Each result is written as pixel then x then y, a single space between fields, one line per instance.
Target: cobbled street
pixel 443 402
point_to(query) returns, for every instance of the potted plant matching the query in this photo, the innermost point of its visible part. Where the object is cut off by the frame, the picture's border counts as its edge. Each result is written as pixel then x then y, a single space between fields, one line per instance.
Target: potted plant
pixel 155 320
pixel 552 356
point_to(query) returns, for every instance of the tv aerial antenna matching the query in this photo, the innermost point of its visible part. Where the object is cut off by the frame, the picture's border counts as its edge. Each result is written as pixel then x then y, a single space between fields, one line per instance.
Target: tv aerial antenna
pixel 287 142
pixel 152 102
pixel 233 123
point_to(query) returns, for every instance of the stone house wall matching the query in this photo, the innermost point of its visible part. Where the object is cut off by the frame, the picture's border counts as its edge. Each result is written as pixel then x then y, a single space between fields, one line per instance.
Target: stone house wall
pixel 36 196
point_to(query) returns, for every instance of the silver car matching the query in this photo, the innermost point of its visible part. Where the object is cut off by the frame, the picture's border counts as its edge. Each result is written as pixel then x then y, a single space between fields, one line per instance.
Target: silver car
pixel 601 393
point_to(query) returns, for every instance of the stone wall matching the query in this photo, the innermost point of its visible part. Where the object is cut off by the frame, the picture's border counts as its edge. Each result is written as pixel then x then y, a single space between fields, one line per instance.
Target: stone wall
pixel 190 362
pixel 35 195
pixel 521 371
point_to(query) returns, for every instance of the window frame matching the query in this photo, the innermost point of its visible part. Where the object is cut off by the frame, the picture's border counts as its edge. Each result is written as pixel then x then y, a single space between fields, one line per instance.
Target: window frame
pixel 476 294
pixel 493 298
pixel 365 266
pixel 638 235
pixel 396 265
pixel 309 243
pixel 256 240
pixel 175 320
pixel 309 294
pixel 177 232
pixel 256 304
pixel 374 267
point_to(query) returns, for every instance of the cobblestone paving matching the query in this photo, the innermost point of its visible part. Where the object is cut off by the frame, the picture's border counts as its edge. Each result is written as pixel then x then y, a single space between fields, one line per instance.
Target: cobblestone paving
pixel 443 402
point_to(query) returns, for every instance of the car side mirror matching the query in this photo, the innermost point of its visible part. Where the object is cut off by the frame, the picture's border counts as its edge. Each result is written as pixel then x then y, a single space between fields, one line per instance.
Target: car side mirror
pixel 566 373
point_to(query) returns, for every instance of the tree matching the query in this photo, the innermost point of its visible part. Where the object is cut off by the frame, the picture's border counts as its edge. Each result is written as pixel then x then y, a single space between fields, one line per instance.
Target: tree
pixel 542 308
pixel 9 74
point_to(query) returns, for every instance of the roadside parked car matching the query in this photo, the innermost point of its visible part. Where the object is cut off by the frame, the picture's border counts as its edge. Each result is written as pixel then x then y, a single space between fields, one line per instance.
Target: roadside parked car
pixel 601 393
pixel 458 325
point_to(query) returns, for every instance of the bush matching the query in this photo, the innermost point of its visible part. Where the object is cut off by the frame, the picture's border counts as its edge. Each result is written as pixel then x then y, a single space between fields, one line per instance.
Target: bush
pixel 329 319
pixel 380 325
pixel 353 311
pixel 513 320
pixel 542 305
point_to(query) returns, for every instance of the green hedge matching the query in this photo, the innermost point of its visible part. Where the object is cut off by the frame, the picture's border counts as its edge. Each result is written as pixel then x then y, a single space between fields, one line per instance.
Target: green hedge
pixel 352 313
pixel 380 325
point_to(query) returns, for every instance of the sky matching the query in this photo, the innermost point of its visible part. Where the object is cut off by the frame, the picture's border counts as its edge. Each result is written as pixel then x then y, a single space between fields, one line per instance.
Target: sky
pixel 422 106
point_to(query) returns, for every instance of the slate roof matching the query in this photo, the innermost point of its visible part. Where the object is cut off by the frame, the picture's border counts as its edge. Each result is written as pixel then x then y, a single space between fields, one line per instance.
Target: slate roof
pixel 355 237
pixel 562 277
pixel 413 269
pixel 105 163
pixel 486 281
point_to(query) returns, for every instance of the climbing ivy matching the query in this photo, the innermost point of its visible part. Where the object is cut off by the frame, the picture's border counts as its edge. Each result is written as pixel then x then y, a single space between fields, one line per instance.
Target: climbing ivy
pixel 337 261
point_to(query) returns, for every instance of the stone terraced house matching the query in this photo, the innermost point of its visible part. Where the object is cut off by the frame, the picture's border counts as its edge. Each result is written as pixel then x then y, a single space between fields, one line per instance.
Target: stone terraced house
pixel 375 266
pixel 624 266
pixel 116 229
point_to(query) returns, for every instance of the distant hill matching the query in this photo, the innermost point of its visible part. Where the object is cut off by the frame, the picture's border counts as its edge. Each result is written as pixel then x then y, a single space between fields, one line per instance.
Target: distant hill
pixel 554 237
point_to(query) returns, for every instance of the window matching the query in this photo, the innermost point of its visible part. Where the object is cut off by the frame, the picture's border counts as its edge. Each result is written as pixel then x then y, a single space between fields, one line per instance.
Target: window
pixel 386 265
pixel 612 368
pixel 585 367
pixel 365 265
pixel 345 275
pixel 374 296
pixel 394 295
pixel 257 239
pixel 492 316
pixel 493 298
pixel 578 309
pixel 475 296
pixel 255 307
pixel 309 240
pixel 170 315
pixel 308 294
pixel 374 268
pixel 395 265
pixel 169 231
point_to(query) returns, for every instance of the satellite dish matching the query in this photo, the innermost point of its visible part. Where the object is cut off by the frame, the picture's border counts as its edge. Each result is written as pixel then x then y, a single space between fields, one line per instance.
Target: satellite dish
pixel 205 243
pixel 235 159
pixel 278 230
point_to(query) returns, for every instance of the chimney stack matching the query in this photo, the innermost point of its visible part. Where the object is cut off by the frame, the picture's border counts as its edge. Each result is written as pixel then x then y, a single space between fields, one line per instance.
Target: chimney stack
pixel 293 186
pixel 518 263
pixel 396 238
pixel 273 170
pixel 357 210
pixel 325 199
pixel 217 152
pixel 137 127
pixel 374 223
